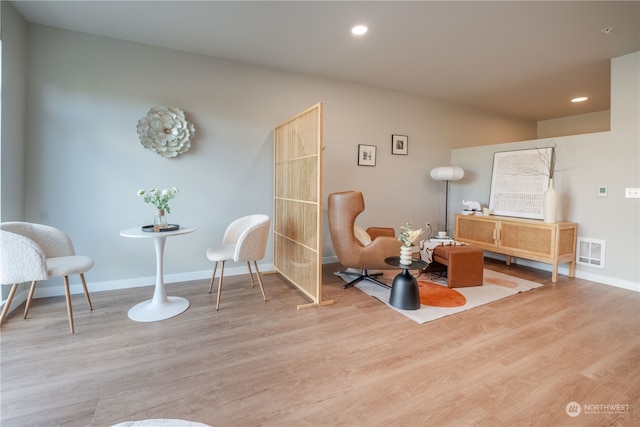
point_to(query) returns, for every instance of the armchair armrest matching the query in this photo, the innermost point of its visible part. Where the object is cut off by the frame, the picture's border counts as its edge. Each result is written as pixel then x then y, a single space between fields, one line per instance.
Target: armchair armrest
pixel 380 248
pixel 381 231
pixel 22 259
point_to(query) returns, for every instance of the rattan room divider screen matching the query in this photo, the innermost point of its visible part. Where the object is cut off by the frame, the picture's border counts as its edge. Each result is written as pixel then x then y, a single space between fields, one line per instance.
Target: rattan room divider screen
pixel 297 225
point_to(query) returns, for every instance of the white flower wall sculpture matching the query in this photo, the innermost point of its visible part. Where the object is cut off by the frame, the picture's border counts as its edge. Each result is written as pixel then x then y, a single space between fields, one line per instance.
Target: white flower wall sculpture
pixel 166 131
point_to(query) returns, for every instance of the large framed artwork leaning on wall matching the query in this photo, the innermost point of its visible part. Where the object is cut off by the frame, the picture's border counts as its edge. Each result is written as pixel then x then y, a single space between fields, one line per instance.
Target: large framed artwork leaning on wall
pixel 519 180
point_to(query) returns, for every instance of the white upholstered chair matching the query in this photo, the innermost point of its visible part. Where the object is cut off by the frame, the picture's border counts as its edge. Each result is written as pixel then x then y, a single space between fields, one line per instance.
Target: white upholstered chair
pixel 245 240
pixel 33 252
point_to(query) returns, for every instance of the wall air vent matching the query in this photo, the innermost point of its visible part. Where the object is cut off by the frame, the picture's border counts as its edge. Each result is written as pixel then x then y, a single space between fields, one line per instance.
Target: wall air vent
pixel 590 252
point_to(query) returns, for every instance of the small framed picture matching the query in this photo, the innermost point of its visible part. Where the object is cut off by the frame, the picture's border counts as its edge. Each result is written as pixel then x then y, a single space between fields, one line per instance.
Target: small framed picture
pixel 399 144
pixel 366 155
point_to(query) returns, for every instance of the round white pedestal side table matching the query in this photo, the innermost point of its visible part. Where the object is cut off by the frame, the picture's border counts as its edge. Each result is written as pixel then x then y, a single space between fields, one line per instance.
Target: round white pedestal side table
pixel 161 306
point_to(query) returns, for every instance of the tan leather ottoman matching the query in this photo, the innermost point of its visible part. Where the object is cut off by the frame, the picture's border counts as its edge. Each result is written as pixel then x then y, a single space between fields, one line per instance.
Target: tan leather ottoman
pixel 465 264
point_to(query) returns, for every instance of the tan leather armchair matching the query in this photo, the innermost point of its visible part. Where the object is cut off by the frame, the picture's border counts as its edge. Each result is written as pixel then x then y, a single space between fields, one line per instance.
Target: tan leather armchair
pixel 343 208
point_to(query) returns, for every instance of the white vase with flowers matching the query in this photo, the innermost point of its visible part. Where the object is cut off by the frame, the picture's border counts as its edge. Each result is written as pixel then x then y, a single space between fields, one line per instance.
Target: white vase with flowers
pixel 159 199
pixel 407 236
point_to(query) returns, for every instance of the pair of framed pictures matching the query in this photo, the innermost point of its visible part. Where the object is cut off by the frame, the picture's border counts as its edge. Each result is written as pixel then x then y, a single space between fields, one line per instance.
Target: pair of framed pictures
pixel 367 153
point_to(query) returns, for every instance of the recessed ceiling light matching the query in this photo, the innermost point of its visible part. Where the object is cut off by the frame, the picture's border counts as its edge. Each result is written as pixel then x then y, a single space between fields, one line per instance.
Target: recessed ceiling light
pixel 579 99
pixel 359 30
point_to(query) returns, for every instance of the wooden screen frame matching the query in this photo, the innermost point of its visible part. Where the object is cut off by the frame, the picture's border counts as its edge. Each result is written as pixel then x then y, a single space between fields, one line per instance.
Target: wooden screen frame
pixel 297 204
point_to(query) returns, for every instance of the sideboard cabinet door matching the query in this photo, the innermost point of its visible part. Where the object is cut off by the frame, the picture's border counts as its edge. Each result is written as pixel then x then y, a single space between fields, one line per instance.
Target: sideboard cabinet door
pixel 527 239
pixel 474 230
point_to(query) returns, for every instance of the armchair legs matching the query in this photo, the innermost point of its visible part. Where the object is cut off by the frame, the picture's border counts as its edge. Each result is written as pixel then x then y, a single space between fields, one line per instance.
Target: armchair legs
pixel 213 276
pixel 255 265
pixel 32 289
pixel 364 275
pixel 69 307
pixel 5 309
pixel 86 292
pixel 29 298
pixel 220 287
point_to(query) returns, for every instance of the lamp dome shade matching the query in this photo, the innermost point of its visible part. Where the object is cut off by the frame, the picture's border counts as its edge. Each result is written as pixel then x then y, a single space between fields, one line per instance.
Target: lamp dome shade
pixel 447 173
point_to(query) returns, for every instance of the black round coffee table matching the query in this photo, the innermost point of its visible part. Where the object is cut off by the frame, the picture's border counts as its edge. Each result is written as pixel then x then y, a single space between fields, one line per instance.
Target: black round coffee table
pixel 404 291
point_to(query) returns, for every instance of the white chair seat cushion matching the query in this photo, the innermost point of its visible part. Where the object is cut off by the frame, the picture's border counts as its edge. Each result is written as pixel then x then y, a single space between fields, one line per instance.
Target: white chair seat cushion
pixel 221 253
pixel 68 265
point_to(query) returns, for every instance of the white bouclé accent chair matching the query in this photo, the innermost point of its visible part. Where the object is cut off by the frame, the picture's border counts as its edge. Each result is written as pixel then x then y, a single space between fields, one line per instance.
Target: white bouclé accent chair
pixel 245 240
pixel 33 252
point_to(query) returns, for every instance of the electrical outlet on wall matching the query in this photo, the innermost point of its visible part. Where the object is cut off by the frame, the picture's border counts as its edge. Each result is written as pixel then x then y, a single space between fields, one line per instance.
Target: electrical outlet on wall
pixel 428 229
pixel 632 193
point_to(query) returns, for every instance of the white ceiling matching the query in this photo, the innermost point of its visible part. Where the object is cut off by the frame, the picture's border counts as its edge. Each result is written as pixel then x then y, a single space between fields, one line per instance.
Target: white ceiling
pixel 524 58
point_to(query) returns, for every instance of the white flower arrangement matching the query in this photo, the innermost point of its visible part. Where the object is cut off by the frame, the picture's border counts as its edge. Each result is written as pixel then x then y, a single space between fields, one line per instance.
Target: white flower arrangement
pixel 407 236
pixel 159 199
pixel 166 131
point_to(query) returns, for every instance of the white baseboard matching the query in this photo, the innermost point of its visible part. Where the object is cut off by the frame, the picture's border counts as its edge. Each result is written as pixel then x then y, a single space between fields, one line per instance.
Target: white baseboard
pixel 330 259
pixel 604 280
pixel 53 291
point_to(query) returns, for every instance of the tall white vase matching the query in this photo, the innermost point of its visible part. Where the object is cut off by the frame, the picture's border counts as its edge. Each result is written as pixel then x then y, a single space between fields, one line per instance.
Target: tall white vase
pixel 405 254
pixel 550 203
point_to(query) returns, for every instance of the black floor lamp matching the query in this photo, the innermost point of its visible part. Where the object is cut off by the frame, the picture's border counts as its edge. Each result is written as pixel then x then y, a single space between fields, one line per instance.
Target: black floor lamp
pixel 446 174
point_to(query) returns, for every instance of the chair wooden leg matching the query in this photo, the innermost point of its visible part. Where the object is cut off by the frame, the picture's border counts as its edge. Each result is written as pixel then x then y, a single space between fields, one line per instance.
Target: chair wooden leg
pixel 213 276
pixel 5 309
pixel 86 292
pixel 69 309
pixel 253 284
pixel 255 264
pixel 220 287
pixel 29 298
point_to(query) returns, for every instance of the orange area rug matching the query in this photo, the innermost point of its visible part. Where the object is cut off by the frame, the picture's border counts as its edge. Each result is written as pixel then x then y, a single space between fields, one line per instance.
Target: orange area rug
pixel 439 296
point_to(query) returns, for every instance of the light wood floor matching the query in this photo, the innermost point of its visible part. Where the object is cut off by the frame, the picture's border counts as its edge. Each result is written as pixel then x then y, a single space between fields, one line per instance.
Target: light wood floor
pixel 515 362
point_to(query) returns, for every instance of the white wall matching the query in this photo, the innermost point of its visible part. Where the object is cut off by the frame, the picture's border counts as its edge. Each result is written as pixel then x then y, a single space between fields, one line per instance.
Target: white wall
pixel 584 163
pixel 84 162
pixel 575 125
pixel 14 104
